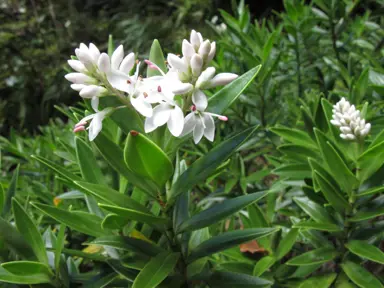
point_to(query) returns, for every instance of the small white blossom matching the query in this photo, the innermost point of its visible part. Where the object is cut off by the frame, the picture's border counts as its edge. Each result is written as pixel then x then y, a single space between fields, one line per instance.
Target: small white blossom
pixel 348 119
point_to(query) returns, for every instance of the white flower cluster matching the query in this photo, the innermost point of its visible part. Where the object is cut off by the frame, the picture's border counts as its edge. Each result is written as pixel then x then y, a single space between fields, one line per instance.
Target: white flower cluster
pixel 99 75
pixel 348 119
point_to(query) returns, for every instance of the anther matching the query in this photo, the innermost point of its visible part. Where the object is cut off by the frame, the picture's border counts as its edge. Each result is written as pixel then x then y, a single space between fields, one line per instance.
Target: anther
pixel 193 108
pixel 158 89
pixel 129 81
pixel 145 94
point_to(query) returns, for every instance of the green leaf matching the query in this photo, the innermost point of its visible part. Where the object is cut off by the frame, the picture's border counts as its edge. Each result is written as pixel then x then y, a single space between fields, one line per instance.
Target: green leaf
pixel 294 171
pixel 2 198
pixel 366 215
pixel 219 212
pixel 11 192
pixel 59 246
pixel 127 273
pixel 113 221
pixel 317 256
pixel 370 161
pixel 323 281
pixel 136 215
pixel 335 163
pixel 365 250
pixel 333 196
pixel 235 280
pixel 28 229
pixel 14 241
pixel 115 157
pixel 286 243
pixel 374 190
pixel 207 164
pixel 318 226
pixel 295 136
pixel 111 196
pixel 83 222
pixel 25 272
pixel 156 56
pixel 128 244
pixel 295 151
pixel 146 159
pixel 223 99
pixel 157 269
pixel 360 276
pixel 263 265
pixel 228 240
pixel 314 210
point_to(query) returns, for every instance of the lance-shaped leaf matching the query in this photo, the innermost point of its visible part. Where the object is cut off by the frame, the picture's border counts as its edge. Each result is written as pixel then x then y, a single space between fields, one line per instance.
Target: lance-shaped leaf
pixel 111 196
pixel 231 280
pixel 371 191
pixel 294 136
pixel 317 256
pixel 25 272
pixel 11 192
pixel 127 273
pixel 228 240
pixel 28 229
pixel 263 265
pixel 360 276
pixel 323 281
pixel 2 198
pixel 220 101
pixel 114 155
pixel 129 244
pixel 314 210
pixel 318 226
pixel 136 215
pixel 219 212
pixel 83 222
pixel 146 159
pixel 366 250
pixel 207 164
pixel 370 161
pixel 286 243
pixel 156 270
pixel 156 56
pixel 366 215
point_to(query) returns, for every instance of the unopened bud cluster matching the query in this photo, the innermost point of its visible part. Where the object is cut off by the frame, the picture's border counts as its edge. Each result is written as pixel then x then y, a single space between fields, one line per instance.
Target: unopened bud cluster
pixel 348 119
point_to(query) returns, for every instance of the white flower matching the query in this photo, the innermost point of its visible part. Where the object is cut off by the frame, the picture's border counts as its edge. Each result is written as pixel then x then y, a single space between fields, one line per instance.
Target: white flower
pixel 201 123
pixel 92 91
pixel 348 119
pixel 79 78
pixel 95 126
pixel 88 56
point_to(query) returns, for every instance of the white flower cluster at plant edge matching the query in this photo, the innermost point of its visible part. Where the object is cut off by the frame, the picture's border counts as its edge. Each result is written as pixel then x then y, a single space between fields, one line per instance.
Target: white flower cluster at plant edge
pixel 348 119
pixel 99 75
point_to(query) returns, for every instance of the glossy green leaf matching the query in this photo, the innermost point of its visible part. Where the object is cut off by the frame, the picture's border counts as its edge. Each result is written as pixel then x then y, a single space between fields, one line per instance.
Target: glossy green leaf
pixel 317 256
pixel 286 243
pixel 228 240
pixel 334 197
pixel 304 271
pixel 371 191
pixel 370 161
pixel 207 164
pixel 360 276
pixel 111 196
pixel 318 226
pixel 146 159
pixel 301 152
pixel 235 280
pixel 314 210
pixel 114 155
pixel 28 229
pixel 157 269
pixel 118 266
pixel 224 98
pixel 366 215
pixel 59 246
pixel 294 136
pixel 156 56
pixel 294 171
pixel 128 244
pixel 10 192
pixel 263 265
pixel 2 198
pixel 25 272
pixel 366 250
pixel 14 241
pixel 219 212
pixel 136 215
pixel 83 222
pixel 323 281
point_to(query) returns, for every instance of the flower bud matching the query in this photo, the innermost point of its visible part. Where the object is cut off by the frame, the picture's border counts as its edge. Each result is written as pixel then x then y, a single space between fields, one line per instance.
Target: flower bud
pixel 79 78
pixel 187 49
pixel 77 66
pixel 127 64
pixel 104 63
pixel 85 58
pixel 182 88
pixel 195 40
pixel 205 48
pixel 196 64
pixel 222 79
pixel 94 53
pixel 177 63
pixel 92 91
pixel 77 87
pixel 205 77
pixel 117 57
pixel 212 52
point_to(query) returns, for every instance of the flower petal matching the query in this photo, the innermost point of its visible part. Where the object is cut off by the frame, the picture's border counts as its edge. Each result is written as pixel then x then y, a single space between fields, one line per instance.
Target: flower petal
pixel 177 63
pixel 142 106
pixel 199 99
pixel 189 124
pixel 127 64
pixel 209 131
pixel 95 103
pixel 176 121
pixel 198 132
pixel 205 76
pixel 117 57
pixel 149 125
pixel 119 80
pixel 95 126
pixel 161 114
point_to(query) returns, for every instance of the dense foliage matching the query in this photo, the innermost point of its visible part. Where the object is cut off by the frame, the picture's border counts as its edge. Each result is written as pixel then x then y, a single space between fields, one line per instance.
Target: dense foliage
pixel 289 194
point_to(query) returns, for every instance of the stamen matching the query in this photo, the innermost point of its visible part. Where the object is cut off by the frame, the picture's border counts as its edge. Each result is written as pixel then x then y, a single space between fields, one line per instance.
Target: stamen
pixel 158 89
pixel 82 123
pixel 78 129
pixel 134 133
pixel 145 94
pixel 137 61
pixel 129 81
pixel 223 118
